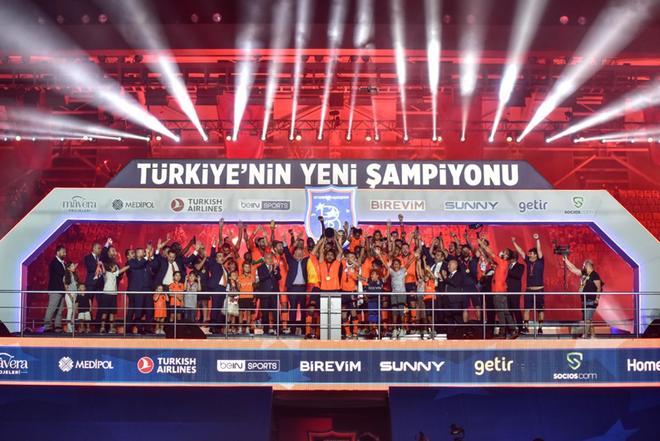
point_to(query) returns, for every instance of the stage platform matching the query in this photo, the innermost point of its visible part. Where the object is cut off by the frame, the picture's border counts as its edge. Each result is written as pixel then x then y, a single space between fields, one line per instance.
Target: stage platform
pixel 330 365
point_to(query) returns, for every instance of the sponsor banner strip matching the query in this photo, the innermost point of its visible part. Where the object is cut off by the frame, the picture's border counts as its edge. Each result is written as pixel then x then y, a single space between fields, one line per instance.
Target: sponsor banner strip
pixel 309 367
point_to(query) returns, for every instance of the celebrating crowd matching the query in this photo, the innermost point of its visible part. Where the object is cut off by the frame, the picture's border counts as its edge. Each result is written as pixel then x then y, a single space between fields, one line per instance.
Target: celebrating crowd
pixel 392 283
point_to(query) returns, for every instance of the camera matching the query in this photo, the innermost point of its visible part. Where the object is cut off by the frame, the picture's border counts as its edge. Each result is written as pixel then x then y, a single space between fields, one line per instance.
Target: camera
pixel 561 250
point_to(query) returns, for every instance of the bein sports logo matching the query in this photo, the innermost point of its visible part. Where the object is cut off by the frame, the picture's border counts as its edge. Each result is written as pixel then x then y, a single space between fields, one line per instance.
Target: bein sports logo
pixel 145 365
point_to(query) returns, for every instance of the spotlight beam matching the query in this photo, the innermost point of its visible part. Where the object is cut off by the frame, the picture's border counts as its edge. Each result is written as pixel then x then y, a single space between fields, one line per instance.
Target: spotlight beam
pixel 361 37
pixel 433 49
pixel 622 136
pixel 634 101
pixel 335 35
pixel 396 15
pixel 106 92
pixel 303 14
pixel 614 28
pixel 279 40
pixel 528 16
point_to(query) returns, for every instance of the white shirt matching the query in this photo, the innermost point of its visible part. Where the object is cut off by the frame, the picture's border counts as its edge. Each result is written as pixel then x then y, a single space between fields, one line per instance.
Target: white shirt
pixel 110 284
pixel 172 267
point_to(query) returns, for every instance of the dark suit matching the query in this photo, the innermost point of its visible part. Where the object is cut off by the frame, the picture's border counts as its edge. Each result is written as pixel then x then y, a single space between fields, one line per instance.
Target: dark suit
pixel 268 283
pixel 140 278
pixel 514 287
pixel 161 264
pixel 297 293
pixel 455 303
pixel 217 275
pixel 56 272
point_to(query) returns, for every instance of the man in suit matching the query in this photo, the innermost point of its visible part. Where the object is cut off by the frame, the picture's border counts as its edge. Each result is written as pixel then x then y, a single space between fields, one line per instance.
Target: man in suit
pixel 139 280
pixel 94 271
pixel 296 284
pixel 456 303
pixel 56 272
pixel 514 286
pixel 217 284
pixel 269 277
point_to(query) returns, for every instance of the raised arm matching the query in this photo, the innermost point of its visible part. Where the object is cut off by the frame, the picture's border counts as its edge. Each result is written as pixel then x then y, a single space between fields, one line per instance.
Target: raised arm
pixel 572 268
pixel 538 245
pixel 518 248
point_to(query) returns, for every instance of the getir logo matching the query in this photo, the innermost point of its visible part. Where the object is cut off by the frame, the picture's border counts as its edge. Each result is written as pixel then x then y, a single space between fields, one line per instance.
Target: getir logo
pixel 497 364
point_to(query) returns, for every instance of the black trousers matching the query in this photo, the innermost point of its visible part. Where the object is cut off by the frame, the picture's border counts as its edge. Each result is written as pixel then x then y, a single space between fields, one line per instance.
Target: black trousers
pixel 297 294
pixel 140 305
pixel 513 302
pixel 217 303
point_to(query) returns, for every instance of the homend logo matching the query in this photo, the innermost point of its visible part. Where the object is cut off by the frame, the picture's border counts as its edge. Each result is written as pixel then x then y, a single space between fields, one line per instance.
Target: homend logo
pixel 247 365
pixel 634 365
pixel 167 365
pixel 497 364
pixel 79 204
pixel 119 204
pixel 197 205
pixel 10 365
pixel 575 361
pixel 67 364
pixel 470 205
pixel 397 205
pixel 263 205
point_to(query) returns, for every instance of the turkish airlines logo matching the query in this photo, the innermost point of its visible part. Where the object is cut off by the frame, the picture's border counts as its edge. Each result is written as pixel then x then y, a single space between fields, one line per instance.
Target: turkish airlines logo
pixel 145 365
pixel 177 204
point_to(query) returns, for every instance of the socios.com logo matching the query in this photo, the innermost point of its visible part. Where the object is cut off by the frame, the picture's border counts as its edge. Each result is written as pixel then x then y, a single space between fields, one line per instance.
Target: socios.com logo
pixel 65 364
pixel 574 360
pixel 578 201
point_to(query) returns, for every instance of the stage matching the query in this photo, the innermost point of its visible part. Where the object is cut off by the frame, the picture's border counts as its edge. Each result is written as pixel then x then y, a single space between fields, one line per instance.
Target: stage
pixel 330 365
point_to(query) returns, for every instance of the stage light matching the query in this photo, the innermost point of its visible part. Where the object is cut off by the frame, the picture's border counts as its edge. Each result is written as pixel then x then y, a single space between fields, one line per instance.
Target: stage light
pixel 228 138
pixel 279 39
pixel 59 19
pixel 18 138
pixel 85 19
pixel 194 18
pixel 361 36
pixel 618 136
pixel 368 138
pixel 348 137
pixel 649 139
pixel 397 18
pixel 41 20
pixel 582 20
pixel 217 17
pixel 34 139
pixel 103 18
pixel 303 14
pixel 298 137
pixel 433 50
pixel 376 137
pixel 405 138
pixel 439 139
pixel 526 21
pixel 631 102
pixel 159 138
pixel 335 36
pixel 614 28
pixel 509 138
pixel 446 19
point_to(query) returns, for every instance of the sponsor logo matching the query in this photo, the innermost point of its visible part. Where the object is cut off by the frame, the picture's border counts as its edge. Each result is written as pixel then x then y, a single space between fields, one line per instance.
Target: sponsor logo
pixel 635 365
pixel 263 205
pixel 330 366
pixel 79 204
pixel 67 364
pixel 497 364
pixel 411 366
pixel 397 205
pixel 535 205
pixel 470 205
pixel 336 205
pixel 247 365
pixel 574 361
pixel 578 203
pixel 197 205
pixel 10 365
pixel 118 204
pixel 167 365
pixel 145 365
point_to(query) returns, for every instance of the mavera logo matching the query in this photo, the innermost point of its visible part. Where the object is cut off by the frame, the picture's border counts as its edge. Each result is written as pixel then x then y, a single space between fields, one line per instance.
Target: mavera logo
pixel 10 365
pixel 247 365
pixel 397 205
pixel 79 204
pixel 263 205
pixel 197 205
pixel 470 205
pixel 145 365
pixel 575 360
pixel 67 364
pixel 119 204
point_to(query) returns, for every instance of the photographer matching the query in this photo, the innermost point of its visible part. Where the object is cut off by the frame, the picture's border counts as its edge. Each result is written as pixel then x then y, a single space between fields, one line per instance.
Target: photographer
pixel 591 286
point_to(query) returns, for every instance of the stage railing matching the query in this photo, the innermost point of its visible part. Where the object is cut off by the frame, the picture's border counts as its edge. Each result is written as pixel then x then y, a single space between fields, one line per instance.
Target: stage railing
pixel 329 315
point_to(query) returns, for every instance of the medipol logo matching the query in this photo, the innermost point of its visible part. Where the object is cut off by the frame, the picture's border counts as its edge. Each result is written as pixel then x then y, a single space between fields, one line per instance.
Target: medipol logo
pixel 119 204
pixel 335 205
pixel 67 364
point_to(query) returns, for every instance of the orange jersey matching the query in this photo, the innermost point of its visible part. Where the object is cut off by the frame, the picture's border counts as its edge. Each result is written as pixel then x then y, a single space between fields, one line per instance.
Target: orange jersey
pixel 246 285
pixel 429 289
pixel 349 279
pixel 501 270
pixel 313 277
pixel 176 288
pixel 329 275
pixel 354 243
pixel 411 271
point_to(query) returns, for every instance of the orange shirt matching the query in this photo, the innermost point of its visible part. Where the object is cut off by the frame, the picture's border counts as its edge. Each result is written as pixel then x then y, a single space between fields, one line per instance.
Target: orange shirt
pixel 499 278
pixel 411 271
pixel 349 279
pixel 176 299
pixel 313 277
pixel 246 285
pixel 354 243
pixel 329 275
pixel 429 289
